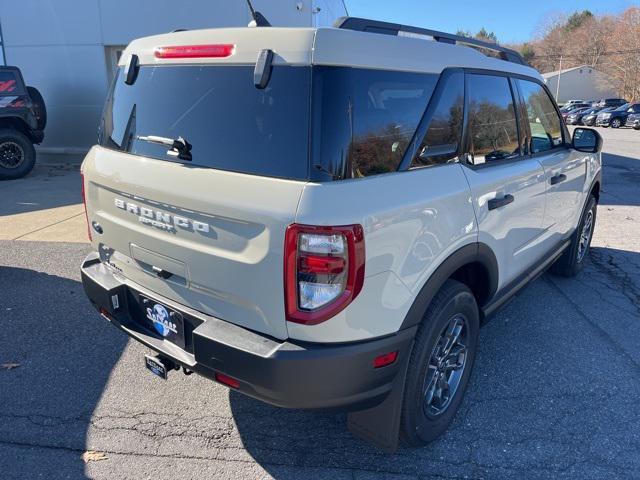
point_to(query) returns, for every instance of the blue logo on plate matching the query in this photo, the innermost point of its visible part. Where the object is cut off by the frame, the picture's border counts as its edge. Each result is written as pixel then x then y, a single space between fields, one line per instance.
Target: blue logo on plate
pixel 161 320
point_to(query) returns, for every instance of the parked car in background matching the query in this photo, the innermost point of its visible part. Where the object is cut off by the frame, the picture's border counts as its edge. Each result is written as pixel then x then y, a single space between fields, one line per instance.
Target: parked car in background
pixel 618 117
pixel 575 116
pixel 23 117
pixel 573 108
pixel 589 118
pixel 573 102
pixel 633 121
pixel 611 102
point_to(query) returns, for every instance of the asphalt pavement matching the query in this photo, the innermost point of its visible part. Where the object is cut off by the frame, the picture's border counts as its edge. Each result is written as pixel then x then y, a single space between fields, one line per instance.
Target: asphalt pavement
pixel 554 393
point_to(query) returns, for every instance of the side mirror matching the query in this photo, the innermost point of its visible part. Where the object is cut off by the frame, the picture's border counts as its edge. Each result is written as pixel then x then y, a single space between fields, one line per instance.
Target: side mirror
pixel 586 140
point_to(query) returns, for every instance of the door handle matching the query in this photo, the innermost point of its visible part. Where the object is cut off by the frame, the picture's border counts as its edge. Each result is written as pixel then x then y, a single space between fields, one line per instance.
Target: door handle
pixel 500 202
pixel 561 177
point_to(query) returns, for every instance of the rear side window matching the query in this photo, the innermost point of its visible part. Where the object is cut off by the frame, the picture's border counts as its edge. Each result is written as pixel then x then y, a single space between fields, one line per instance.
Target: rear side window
pixel 493 130
pixel 544 122
pixel 9 83
pixel 440 143
pixel 363 120
pixel 230 124
pixel 387 109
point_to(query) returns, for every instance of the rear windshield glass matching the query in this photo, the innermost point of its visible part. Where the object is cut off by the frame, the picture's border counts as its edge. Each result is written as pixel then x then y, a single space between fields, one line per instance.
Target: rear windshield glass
pixel 230 124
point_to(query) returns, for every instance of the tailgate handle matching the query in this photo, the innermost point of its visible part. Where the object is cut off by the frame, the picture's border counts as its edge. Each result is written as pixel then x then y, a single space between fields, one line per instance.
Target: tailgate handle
pixel 160 272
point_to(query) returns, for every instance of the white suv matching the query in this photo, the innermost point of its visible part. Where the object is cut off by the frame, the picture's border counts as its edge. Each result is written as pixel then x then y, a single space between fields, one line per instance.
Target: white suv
pixel 322 218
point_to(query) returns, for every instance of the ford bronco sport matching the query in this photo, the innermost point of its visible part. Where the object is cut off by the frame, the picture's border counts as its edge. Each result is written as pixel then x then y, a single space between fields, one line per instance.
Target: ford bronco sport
pixel 322 218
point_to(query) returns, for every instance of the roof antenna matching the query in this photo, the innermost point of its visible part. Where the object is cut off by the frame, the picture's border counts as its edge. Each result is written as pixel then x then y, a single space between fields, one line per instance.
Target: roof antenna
pixel 258 19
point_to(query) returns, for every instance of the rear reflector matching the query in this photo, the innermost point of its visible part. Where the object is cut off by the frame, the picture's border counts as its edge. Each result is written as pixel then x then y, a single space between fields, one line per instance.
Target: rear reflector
pixel 228 381
pixel 196 51
pixel 385 359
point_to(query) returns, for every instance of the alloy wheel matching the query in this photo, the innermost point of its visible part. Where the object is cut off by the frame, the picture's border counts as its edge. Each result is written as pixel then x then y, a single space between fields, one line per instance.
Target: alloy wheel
pixel 11 154
pixel 446 366
pixel 585 235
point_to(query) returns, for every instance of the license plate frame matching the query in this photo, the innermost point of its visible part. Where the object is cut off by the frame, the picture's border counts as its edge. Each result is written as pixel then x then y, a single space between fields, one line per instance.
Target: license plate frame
pixel 163 320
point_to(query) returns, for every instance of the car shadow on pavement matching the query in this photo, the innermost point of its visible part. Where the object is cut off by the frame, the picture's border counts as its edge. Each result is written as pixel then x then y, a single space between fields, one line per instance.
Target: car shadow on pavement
pixel 63 356
pixel 621 175
pixel 545 359
pixel 46 187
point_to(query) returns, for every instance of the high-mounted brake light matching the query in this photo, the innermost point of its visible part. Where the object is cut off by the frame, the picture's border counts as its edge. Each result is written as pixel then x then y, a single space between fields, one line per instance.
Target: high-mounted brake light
pixel 324 270
pixel 84 202
pixel 196 51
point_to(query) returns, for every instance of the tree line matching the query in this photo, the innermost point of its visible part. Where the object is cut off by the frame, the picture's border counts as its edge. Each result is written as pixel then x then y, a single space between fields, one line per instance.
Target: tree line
pixel 608 43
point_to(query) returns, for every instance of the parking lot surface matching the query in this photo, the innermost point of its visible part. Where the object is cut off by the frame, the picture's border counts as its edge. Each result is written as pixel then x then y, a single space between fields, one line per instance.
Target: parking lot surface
pixel 554 393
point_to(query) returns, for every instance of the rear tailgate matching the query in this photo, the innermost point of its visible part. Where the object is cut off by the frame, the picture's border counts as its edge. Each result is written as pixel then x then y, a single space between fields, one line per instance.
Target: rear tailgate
pixel 219 234
pixel 210 215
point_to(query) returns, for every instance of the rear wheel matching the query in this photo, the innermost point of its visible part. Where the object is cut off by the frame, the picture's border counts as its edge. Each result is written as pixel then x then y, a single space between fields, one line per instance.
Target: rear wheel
pixel 440 364
pixel 17 155
pixel 573 259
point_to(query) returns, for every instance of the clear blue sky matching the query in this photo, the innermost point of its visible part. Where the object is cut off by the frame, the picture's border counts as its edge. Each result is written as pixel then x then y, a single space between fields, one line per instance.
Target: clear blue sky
pixel 511 20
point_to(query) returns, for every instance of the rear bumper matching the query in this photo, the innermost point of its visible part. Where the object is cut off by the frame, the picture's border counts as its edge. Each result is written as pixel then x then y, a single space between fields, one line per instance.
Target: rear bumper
pixel 634 123
pixel 282 373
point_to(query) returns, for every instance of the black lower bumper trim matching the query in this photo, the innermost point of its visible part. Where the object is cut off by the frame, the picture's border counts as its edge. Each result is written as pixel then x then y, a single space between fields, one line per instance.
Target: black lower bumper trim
pixel 283 373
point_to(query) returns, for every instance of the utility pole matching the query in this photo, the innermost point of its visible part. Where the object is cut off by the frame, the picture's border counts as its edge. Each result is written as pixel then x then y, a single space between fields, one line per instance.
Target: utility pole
pixel 558 82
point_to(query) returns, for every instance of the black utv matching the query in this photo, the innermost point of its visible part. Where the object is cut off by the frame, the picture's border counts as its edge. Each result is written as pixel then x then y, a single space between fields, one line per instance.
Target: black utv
pixel 23 117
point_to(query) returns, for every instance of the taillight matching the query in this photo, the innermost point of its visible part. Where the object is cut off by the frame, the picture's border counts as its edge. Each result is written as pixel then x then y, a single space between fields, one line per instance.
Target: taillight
pixel 196 51
pixel 84 202
pixel 324 270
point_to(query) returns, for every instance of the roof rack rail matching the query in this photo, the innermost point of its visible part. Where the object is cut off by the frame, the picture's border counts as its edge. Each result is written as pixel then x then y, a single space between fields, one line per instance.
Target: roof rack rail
pixel 375 26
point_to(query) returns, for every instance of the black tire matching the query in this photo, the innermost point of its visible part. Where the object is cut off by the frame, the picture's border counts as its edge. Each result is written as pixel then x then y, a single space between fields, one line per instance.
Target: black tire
pixel 616 123
pixel 419 425
pixel 17 155
pixel 636 128
pixel 39 107
pixel 573 259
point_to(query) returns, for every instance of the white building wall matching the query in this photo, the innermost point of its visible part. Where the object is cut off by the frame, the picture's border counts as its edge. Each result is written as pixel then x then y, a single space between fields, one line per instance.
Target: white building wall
pixel 62 47
pixel 584 83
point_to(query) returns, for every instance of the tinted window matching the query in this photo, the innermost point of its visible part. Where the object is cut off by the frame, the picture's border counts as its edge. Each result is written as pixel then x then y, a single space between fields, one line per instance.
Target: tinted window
pixel 230 124
pixel 363 120
pixel 493 132
pixel 440 143
pixel 544 122
pixel 9 83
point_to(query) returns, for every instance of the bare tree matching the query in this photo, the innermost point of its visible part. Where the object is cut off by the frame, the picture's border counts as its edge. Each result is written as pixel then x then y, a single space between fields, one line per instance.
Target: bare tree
pixel 609 43
pixel 624 59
